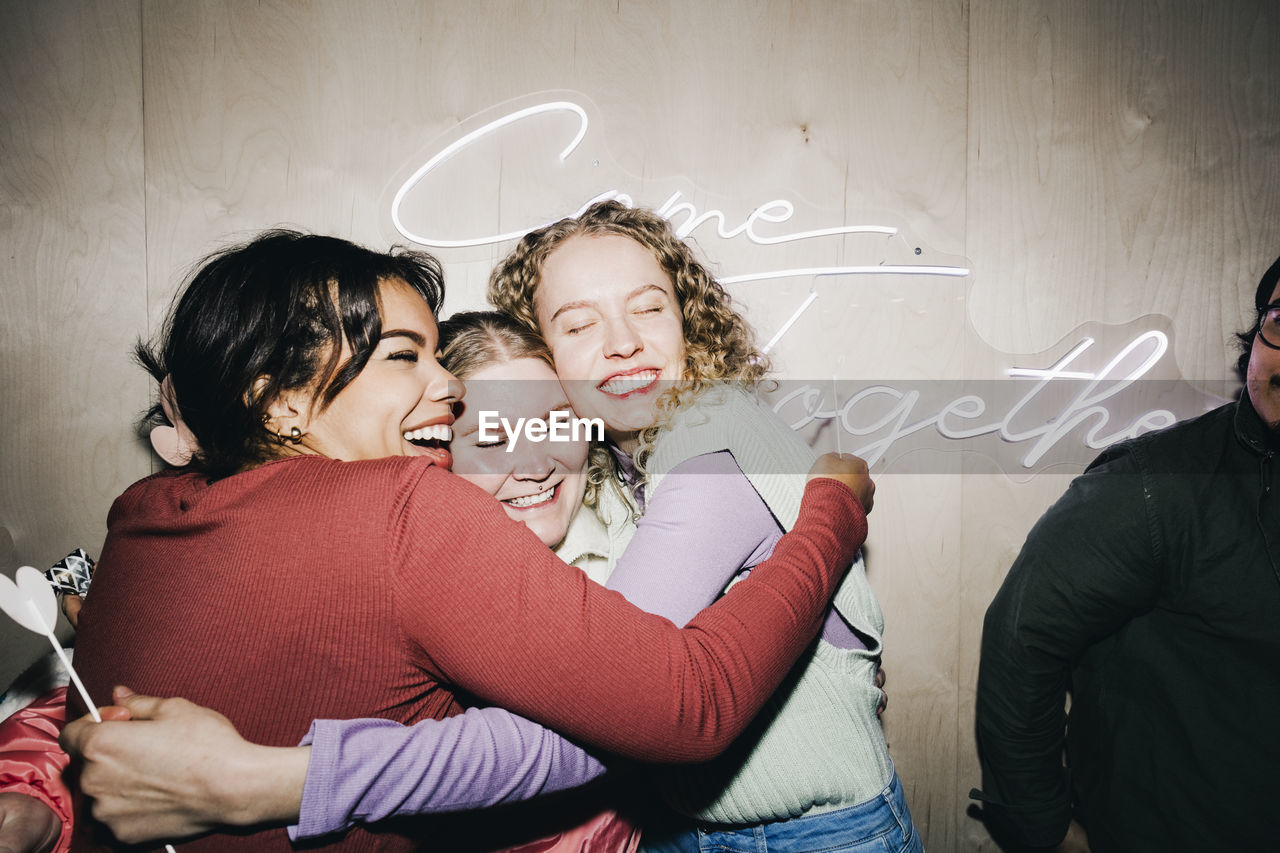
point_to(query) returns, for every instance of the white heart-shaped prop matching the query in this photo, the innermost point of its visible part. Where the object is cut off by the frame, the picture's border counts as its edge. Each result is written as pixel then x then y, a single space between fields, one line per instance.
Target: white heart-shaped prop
pixel 31 603
pixel 31 590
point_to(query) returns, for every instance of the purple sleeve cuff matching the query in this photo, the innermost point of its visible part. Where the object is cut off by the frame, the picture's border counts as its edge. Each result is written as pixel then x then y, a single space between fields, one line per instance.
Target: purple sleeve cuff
pixel 367 770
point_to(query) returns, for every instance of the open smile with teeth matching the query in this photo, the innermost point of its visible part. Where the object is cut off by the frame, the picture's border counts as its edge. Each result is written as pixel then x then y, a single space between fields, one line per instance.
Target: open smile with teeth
pixel 620 386
pixel 526 501
pixel 437 432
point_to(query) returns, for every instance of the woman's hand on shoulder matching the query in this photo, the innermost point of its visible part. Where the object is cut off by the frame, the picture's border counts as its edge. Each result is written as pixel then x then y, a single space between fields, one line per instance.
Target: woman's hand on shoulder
pixel 850 470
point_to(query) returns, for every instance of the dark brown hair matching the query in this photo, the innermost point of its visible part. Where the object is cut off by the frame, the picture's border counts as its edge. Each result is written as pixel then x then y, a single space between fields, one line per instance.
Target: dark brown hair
pixel 269 316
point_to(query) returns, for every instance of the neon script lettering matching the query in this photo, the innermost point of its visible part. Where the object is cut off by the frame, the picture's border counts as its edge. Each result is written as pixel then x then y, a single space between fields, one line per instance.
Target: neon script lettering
pixel 684 216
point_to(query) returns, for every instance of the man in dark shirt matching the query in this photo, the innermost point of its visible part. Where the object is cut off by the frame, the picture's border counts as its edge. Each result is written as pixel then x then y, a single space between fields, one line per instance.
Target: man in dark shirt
pixel 1151 591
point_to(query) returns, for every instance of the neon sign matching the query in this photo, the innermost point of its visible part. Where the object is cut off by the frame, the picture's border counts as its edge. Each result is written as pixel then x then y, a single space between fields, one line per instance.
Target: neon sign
pixel 1030 410
pixel 1058 402
pixel 775 211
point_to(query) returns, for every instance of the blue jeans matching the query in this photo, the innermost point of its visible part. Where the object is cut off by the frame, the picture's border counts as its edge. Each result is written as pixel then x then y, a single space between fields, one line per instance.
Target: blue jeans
pixel 879 825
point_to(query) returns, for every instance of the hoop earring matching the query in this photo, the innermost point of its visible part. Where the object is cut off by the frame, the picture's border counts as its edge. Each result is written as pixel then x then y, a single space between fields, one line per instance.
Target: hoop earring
pixel 294 436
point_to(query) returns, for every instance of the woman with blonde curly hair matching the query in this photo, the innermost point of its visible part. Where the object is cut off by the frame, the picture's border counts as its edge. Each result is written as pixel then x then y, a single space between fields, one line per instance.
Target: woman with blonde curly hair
pixel 696 471
pixel 717 344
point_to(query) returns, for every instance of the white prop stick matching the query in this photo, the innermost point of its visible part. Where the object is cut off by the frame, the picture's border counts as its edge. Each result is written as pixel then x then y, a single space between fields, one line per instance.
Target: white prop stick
pixel 31 603
pixel 33 595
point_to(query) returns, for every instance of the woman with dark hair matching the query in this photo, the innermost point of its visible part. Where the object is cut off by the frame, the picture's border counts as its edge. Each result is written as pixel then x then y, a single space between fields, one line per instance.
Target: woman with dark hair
pixel 509 374
pixel 316 558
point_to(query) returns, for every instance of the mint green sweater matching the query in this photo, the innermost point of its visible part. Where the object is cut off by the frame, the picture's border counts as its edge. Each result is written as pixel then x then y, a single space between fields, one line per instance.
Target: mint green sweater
pixel 817 745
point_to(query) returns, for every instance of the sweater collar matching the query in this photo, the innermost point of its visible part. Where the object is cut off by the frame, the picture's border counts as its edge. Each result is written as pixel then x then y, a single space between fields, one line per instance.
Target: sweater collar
pixel 586 538
pixel 1250 429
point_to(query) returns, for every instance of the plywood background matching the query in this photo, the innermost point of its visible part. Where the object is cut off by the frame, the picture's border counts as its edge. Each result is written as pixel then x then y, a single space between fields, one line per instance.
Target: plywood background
pixel 1091 160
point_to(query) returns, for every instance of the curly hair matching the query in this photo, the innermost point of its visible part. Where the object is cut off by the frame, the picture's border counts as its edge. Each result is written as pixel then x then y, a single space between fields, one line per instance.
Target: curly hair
pixel 719 345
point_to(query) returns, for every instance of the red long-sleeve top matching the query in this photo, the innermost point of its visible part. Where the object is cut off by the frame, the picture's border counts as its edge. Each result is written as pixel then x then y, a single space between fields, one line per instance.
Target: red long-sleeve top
pixel 312 588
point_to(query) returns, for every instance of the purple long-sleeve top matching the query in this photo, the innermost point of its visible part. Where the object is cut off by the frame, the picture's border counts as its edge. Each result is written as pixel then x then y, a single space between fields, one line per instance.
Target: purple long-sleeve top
pixel 701 529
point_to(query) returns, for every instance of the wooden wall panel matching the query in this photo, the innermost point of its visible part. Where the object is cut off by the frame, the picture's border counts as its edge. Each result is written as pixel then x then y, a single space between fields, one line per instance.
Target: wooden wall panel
pixel 324 102
pixel 1123 162
pixel 72 279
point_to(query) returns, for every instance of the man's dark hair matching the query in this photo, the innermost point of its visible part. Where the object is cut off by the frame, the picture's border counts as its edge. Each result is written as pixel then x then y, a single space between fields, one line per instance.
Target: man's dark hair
pixel 1261 298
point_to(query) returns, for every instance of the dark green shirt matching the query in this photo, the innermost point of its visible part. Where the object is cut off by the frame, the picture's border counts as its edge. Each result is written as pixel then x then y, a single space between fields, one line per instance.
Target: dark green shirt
pixel 1150 590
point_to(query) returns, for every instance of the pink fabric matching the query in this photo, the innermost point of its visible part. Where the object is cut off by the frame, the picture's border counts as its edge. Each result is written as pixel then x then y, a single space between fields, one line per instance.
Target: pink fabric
pixel 31 762
pixel 606 832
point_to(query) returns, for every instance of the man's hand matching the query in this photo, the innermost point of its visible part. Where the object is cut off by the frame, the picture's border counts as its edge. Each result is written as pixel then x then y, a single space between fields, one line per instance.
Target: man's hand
pixel 176 769
pixel 27 825
pixel 850 470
